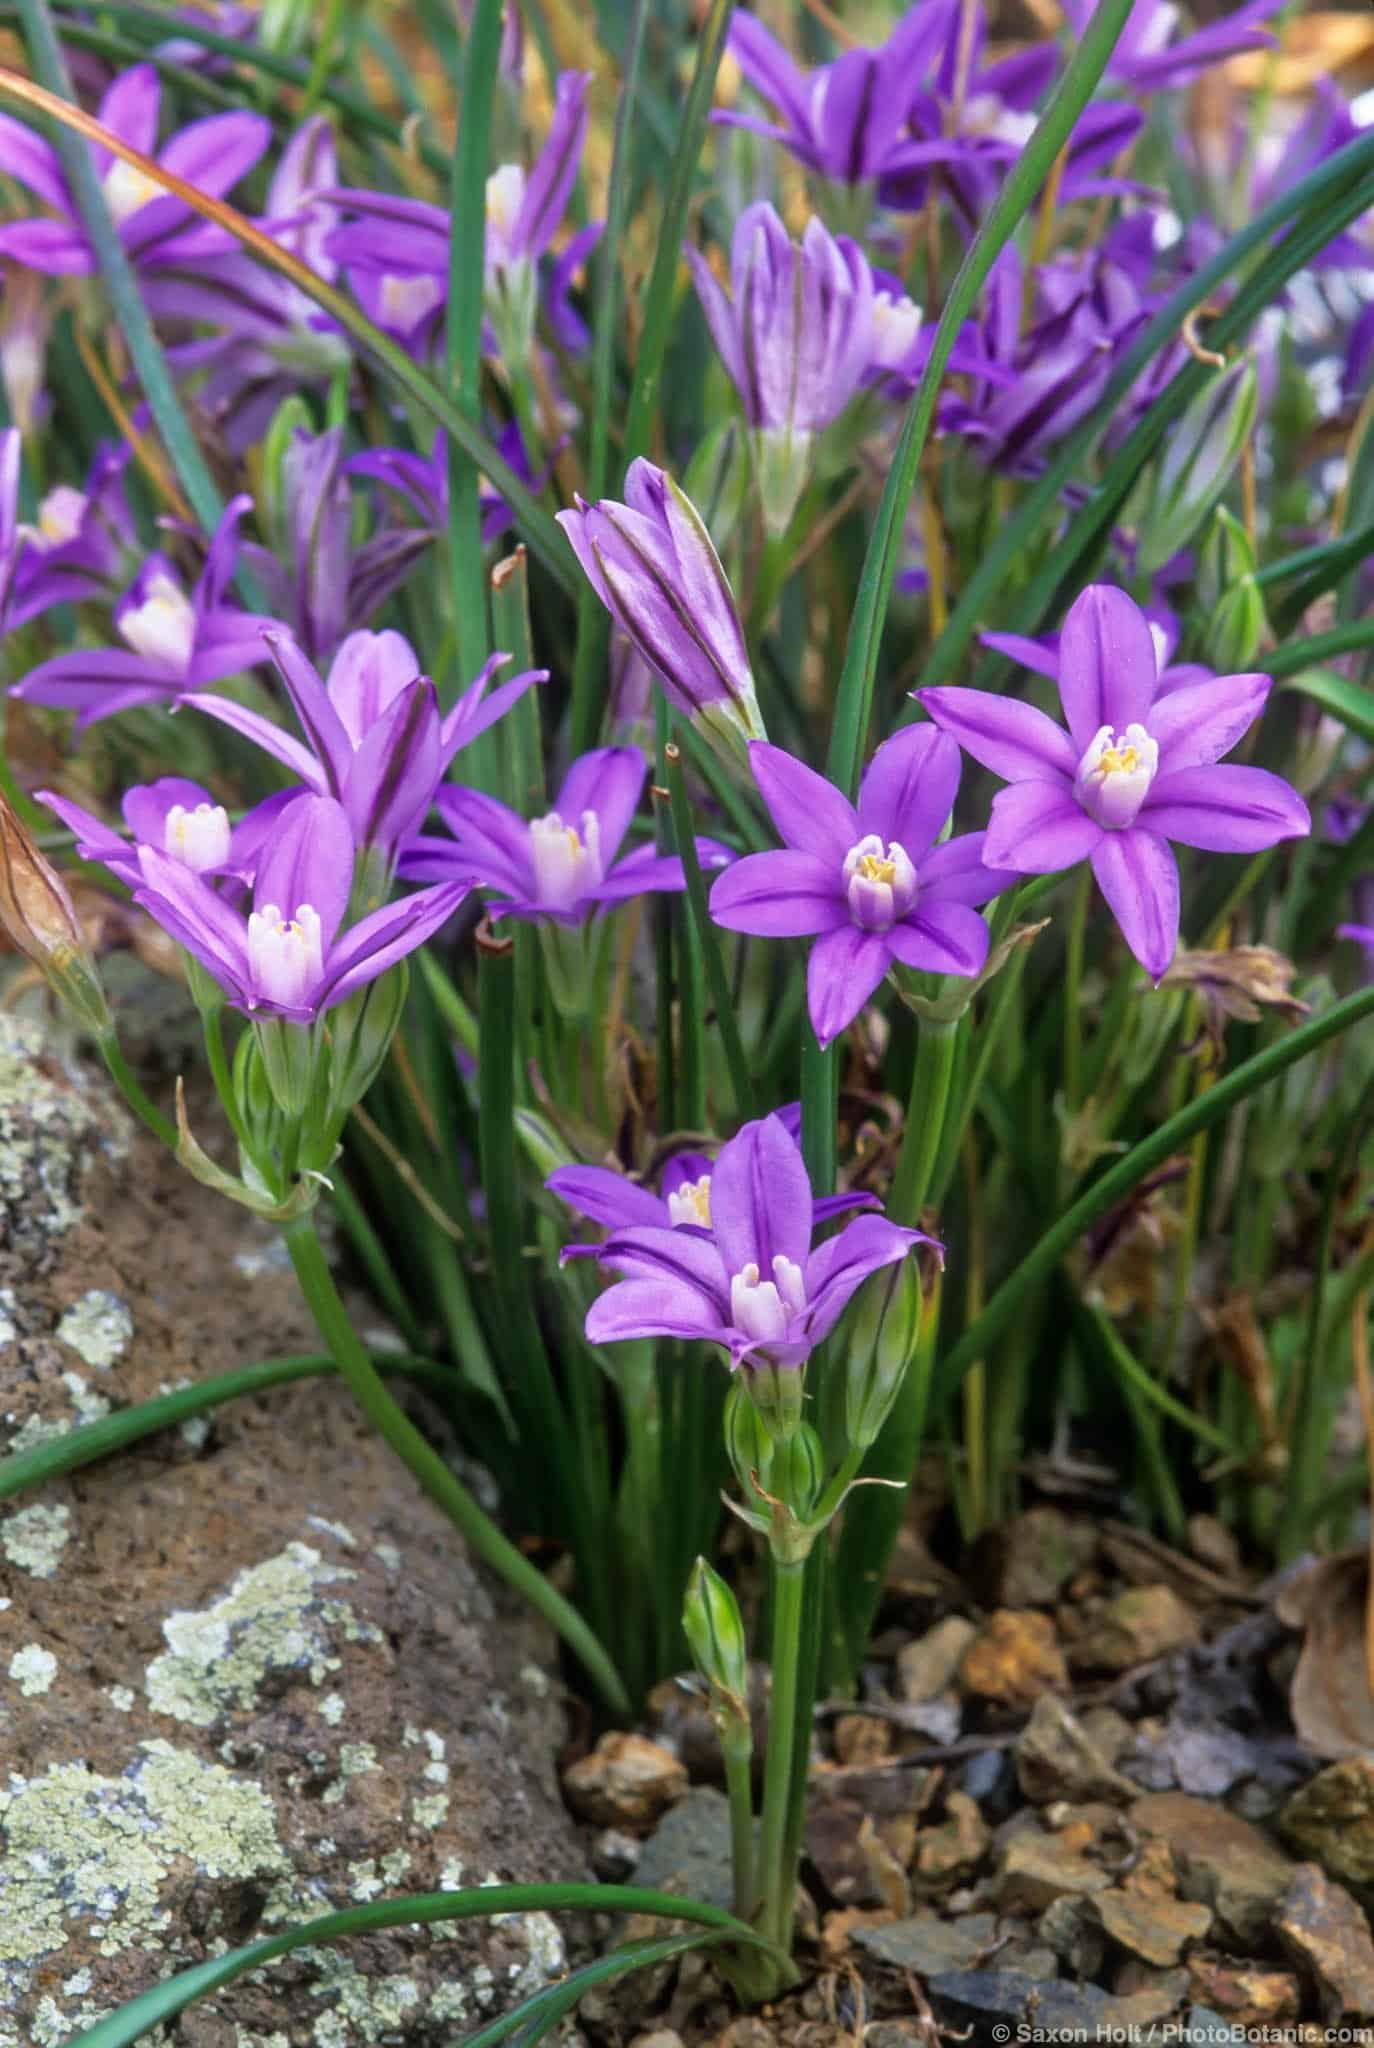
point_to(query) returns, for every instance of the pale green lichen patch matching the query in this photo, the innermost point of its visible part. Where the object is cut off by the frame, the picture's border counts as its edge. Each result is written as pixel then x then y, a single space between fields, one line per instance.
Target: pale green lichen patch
pixel 33 1670
pixel 99 1328
pixel 39 1429
pixel 34 1538
pixel 94 1853
pixel 274 1618
pixel 354 1759
pixel 361 2009
pixel 40 1117
pixel 89 1407
pixel 9 1329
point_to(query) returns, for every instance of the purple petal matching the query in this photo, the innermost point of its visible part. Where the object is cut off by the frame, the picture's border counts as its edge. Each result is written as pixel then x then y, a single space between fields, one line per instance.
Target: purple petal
pixel 215 153
pixel 369 670
pixel 308 859
pixel 839 1267
pixel 959 872
pixel 844 969
pixel 769 68
pixel 1137 873
pixel 320 722
pixel 1031 654
pixel 90 680
pixel 779 896
pixel 909 789
pixel 493 838
pixel 551 180
pixel 94 838
pixel 1107 667
pixel 385 937
pixel 265 734
pixel 690 1258
pixel 392 778
pixel 130 110
pixel 146 807
pixel 605 1197
pixel 1037 828
pixel 609 781
pixel 1013 739
pixel 33 163
pixel 810 813
pixel 1196 723
pixel 761 1199
pixel 651 1308
pixel 47 245
pixel 641 873
pixel 1225 809
pixel 186 906
pixel 942 938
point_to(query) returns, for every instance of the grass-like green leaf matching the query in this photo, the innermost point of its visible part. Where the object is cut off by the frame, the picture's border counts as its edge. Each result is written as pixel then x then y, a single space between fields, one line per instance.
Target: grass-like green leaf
pixel 419 1909
pixel 1348 701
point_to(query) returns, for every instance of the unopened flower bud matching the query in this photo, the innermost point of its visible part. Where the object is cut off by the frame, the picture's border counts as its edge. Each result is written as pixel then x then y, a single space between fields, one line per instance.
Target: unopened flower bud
pixel 777 1394
pixel 361 1029
pixel 884 1334
pixel 1237 629
pixel 41 921
pixel 545 1149
pixel 715 1632
pixel 1198 462
pixel 290 1057
pixel 747 1442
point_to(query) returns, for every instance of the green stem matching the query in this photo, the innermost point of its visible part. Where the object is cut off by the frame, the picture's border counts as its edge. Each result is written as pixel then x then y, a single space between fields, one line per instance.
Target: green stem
pixel 133 1094
pixel 722 1000
pixel 1073 994
pixel 737 1748
pixel 936 1045
pixel 776 1882
pixel 424 1462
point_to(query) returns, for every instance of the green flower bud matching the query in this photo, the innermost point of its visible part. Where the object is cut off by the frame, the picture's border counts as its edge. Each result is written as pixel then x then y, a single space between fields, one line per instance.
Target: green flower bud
pixel 782 463
pixel 361 1029
pixel 1198 462
pixel 798 1474
pixel 778 1394
pixel 711 1622
pixel 717 480
pixel 544 1147
pixel 747 1442
pixel 884 1335
pixel 290 1059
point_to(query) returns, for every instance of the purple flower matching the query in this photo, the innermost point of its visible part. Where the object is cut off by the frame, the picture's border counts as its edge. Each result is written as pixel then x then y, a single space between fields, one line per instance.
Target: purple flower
pixel 288 958
pixel 1136 769
pixel 11 448
pixel 316 579
pixel 376 740
pixel 747 1277
pixel 1146 58
pixel 175 642
pixel 397 251
pixel 84 545
pixel 272 339
pixel 561 867
pixel 157 229
pixel 422 481
pixel 845 120
pixel 870 880
pixel 651 563
pixel 797 339
pixel 682 1203
pixel 176 818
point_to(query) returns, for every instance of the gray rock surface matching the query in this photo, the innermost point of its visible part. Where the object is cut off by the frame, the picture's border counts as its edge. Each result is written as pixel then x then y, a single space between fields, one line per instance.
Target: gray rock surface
pixel 247 1674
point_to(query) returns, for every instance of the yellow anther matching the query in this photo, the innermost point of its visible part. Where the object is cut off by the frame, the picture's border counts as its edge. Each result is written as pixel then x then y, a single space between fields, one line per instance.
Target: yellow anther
pixel 874 868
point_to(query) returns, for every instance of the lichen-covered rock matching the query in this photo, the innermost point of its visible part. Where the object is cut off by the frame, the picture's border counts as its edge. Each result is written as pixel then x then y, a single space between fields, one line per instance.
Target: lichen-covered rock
pixel 248 1674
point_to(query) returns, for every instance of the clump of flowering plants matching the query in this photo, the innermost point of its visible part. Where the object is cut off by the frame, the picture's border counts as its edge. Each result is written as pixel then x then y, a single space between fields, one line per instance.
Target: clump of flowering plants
pixel 853 929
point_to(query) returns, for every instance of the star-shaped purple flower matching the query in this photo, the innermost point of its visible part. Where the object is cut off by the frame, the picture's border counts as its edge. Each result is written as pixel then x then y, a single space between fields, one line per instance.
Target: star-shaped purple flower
pixel 870 880
pixel 1136 769
pixel 746 1278
pixel 176 640
pixel 179 819
pixel 564 866
pixel 289 958
pixel 377 741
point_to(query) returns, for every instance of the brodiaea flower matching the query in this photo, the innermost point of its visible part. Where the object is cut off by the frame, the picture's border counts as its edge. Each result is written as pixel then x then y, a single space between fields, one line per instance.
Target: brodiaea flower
pixel 288 957
pixel 156 229
pixel 176 641
pixel 870 881
pixel 177 818
pixel 561 867
pixel 747 1278
pixel 377 741
pixel 1136 769
pixel 797 339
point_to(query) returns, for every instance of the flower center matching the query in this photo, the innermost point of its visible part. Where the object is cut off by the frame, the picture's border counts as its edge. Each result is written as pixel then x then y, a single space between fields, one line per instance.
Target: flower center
pixel 880 883
pixel 59 517
pixel 128 189
pixel 896 324
pixel 198 838
pixel 285 956
pixel 1115 774
pixel 406 300
pixel 691 1203
pixel 764 1309
pixel 505 197
pixel 566 865
pixel 163 627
